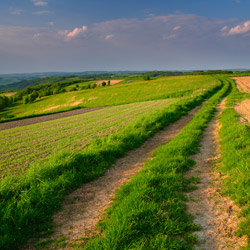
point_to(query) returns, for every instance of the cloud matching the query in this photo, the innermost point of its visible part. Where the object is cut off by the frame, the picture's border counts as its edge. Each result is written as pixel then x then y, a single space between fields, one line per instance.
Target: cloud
pixel 176 28
pixel 39 3
pixel 224 28
pixel 15 11
pixel 169 37
pixel 76 32
pixel 175 37
pixel 42 12
pixel 35 36
pixel 241 29
pixel 108 37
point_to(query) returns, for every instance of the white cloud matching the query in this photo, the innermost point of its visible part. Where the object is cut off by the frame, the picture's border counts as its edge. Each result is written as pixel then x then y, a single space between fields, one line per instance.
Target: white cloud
pixel 41 12
pixel 108 37
pixel 39 3
pixel 76 32
pixel 176 28
pixel 224 28
pixel 240 29
pixel 51 23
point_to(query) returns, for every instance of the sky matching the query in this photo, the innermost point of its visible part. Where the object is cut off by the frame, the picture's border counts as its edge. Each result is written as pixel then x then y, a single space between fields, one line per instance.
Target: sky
pixel 110 35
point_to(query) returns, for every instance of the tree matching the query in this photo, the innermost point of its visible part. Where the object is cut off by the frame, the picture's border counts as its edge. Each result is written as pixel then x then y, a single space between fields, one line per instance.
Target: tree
pixel 103 84
pixel 146 78
pixel 93 85
pixel 25 99
pixel 4 102
pixel 108 82
pixel 32 97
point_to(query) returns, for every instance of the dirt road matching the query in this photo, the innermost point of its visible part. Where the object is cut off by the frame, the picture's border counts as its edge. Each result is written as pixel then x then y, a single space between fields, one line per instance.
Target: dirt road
pixel 82 209
pixel 44 118
pixel 216 214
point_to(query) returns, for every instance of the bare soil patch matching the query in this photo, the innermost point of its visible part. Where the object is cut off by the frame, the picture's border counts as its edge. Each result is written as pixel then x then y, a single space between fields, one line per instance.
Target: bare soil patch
pixel 243 109
pixel 10 94
pixel 243 83
pixel 112 82
pixel 217 215
pixel 82 209
pixel 44 118
pixel 51 108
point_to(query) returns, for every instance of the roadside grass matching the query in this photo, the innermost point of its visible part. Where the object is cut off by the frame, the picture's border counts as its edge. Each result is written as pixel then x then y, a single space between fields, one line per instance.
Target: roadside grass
pixel 22 145
pixel 235 151
pixel 149 212
pixel 29 200
pixel 162 88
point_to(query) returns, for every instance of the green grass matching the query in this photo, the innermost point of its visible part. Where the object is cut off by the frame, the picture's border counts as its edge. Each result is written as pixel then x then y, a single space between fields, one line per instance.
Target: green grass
pixel 149 212
pixel 162 88
pixel 235 151
pixel 22 145
pixel 29 200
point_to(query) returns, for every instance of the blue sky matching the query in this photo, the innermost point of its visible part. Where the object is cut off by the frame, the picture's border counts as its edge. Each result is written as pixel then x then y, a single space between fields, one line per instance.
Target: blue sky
pixel 80 35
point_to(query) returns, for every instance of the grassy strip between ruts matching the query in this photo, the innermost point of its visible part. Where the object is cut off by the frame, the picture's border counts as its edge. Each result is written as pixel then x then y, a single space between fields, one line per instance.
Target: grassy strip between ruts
pixel 149 212
pixel 235 151
pixel 28 201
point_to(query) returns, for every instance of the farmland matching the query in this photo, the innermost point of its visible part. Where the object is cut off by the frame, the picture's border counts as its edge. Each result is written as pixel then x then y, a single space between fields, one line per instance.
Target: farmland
pixel 43 163
pixel 120 93
pixel 23 144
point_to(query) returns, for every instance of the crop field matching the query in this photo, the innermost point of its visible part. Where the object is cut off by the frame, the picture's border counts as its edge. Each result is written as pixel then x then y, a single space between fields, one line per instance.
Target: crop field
pixel 21 145
pixel 120 93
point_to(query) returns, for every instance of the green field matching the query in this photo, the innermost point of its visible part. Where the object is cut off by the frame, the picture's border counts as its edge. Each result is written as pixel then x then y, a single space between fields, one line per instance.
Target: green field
pixel 118 94
pixel 23 145
pixel 43 162
pixel 33 185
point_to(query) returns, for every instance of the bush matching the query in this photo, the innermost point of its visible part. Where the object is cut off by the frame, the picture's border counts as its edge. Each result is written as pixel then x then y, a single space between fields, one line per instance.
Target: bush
pixel 25 99
pixel 4 102
pixel 103 84
pixel 146 78
pixel 93 85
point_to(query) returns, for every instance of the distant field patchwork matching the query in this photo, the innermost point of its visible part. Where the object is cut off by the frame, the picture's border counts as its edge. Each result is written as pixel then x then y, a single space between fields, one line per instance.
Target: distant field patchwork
pixel 120 93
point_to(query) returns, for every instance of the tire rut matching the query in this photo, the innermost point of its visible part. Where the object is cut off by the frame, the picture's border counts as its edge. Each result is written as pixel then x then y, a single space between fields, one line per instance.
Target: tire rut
pixel 216 214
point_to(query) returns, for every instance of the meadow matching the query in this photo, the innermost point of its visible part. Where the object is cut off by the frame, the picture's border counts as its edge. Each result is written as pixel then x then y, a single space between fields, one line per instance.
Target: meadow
pixel 42 163
pixel 121 93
